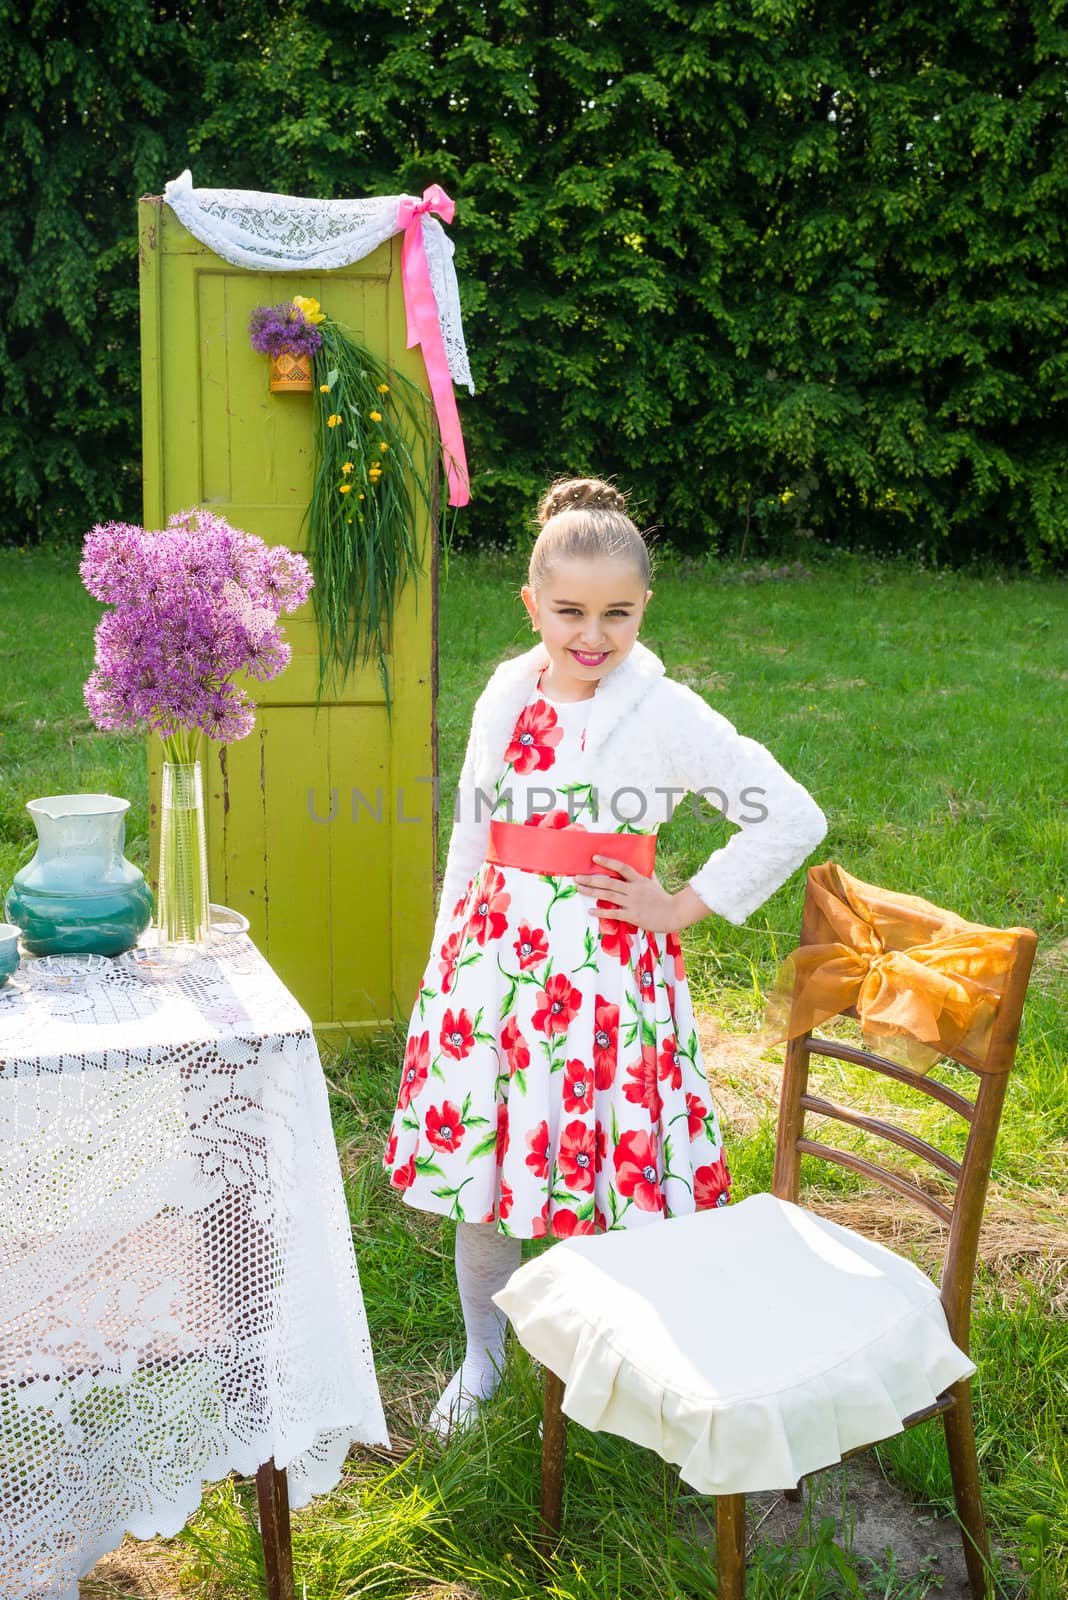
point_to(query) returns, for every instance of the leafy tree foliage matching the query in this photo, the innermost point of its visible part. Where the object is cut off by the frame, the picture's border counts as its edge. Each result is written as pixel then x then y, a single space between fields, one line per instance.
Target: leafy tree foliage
pixel 779 265
pixel 98 100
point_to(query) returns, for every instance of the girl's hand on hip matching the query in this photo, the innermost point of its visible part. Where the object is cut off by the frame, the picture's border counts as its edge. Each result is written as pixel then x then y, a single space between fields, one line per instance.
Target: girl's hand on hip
pixel 639 900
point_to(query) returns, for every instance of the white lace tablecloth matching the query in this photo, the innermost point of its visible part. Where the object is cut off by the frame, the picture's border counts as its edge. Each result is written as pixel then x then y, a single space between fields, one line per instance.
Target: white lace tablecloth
pixel 178 1291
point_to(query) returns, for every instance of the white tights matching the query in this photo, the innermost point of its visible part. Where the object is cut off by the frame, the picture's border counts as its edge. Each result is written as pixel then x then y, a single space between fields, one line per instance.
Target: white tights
pixel 485 1260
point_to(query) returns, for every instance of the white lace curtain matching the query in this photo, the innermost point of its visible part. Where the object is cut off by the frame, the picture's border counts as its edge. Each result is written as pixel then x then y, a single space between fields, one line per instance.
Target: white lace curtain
pixel 282 233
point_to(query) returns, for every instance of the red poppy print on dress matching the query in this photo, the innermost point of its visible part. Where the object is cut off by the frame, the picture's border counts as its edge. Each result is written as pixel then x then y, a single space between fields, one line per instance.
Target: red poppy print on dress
pixel 515 1047
pixel 566 1224
pixel 637 1171
pixel 668 1062
pixel 578 1087
pixel 502 1131
pixel 488 919
pixel 416 1067
pixel 539 1225
pixel 696 1112
pixel 576 1157
pixel 642 1089
pixel 391 1150
pixel 449 955
pixel 605 1042
pixel 504 1203
pixel 531 947
pixel 457 1034
pixel 534 739
pixel 670 988
pixel 712 1185
pixel 600 1146
pixel 444 1127
pixel 404 1177
pixel 538 1159
pixel 645 972
pixel 616 938
pixel 673 952
pixel 552 819
pixel 558 1003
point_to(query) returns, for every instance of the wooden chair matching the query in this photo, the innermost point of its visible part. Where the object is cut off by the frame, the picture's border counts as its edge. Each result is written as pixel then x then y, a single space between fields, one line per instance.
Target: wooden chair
pixel 549 1281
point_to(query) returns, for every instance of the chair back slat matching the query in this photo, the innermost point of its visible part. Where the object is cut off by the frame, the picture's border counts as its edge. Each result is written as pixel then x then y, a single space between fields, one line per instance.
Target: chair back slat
pixel 890 1069
pixel 971 1174
pixel 868 1169
pixel 883 1130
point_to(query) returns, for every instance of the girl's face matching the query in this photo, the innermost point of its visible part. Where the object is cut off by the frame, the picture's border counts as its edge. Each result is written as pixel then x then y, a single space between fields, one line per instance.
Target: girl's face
pixel 588 614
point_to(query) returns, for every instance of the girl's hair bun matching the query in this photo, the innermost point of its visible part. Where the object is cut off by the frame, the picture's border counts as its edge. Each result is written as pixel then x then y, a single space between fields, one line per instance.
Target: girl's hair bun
pixel 585 519
pixel 580 494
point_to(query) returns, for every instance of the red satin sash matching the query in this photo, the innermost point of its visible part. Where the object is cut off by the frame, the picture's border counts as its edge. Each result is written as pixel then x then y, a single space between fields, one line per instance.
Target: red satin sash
pixel 565 851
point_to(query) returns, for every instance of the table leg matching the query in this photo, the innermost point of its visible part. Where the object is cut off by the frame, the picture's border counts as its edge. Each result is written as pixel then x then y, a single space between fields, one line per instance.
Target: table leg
pixel 272 1491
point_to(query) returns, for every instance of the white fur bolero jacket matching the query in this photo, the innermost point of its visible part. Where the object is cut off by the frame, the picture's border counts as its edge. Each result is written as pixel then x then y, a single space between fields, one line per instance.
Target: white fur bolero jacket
pixel 649 741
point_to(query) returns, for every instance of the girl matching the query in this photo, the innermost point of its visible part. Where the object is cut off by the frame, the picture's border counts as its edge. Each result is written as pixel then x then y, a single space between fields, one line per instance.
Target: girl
pixel 553 1082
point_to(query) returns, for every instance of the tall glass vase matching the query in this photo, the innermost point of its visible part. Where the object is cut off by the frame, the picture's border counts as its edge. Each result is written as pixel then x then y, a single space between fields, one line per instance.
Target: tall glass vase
pixel 183 910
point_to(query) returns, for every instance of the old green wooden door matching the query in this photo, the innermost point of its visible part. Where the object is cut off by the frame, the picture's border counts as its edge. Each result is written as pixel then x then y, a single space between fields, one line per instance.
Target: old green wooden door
pixel 321 823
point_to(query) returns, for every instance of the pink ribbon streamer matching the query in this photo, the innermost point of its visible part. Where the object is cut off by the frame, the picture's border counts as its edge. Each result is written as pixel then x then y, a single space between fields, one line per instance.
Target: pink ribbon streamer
pixel 424 328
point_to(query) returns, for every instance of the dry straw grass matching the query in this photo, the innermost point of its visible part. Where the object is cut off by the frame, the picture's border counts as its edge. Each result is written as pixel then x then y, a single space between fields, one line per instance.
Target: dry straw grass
pixel 137 1570
pixel 1018 1246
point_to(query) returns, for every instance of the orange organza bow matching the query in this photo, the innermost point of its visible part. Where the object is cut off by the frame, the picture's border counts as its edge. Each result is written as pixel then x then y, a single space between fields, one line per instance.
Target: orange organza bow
pixel 923 982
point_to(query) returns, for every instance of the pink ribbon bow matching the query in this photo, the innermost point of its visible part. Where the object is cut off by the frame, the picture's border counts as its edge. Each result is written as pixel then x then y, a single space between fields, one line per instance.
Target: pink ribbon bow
pixel 424 328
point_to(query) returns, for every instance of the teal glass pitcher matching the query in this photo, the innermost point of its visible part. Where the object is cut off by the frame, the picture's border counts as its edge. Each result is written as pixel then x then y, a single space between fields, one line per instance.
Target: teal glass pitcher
pixel 79 893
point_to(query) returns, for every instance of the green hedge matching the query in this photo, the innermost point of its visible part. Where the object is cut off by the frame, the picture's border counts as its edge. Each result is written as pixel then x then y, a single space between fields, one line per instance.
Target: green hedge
pixel 787 270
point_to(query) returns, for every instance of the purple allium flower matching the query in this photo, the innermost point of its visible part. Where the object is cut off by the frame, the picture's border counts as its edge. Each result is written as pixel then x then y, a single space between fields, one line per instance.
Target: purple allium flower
pixel 194 603
pixel 277 328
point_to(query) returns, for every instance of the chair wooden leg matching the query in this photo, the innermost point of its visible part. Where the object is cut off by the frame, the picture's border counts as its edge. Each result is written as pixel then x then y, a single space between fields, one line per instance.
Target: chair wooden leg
pixel 553 1449
pixel 967 1492
pixel 730 1546
pixel 272 1492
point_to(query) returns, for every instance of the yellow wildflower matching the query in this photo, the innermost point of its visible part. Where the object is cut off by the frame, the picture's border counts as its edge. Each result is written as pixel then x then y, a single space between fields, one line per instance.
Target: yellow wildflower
pixel 383 445
pixel 324 388
pixel 362 495
pixel 309 307
pixel 383 388
pixel 333 420
pixel 375 416
pixel 346 467
pixel 344 488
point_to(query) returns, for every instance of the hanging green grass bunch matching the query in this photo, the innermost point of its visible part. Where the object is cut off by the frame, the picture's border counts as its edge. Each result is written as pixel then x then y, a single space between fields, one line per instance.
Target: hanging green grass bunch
pixel 374 456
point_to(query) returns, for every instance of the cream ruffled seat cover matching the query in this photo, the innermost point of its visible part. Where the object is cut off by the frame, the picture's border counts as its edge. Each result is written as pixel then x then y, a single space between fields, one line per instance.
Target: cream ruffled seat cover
pixel 747 1345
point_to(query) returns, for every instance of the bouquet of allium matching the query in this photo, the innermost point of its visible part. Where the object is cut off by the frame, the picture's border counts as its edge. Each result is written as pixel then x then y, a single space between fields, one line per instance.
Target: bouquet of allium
pixel 291 327
pixel 194 604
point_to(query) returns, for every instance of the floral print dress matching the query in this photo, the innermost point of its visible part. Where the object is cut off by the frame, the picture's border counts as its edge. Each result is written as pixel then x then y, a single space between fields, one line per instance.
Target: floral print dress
pixel 552 1081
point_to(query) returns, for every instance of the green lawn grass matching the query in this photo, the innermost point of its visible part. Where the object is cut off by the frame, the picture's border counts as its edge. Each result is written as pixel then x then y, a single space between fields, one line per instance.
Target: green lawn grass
pixel 926 712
